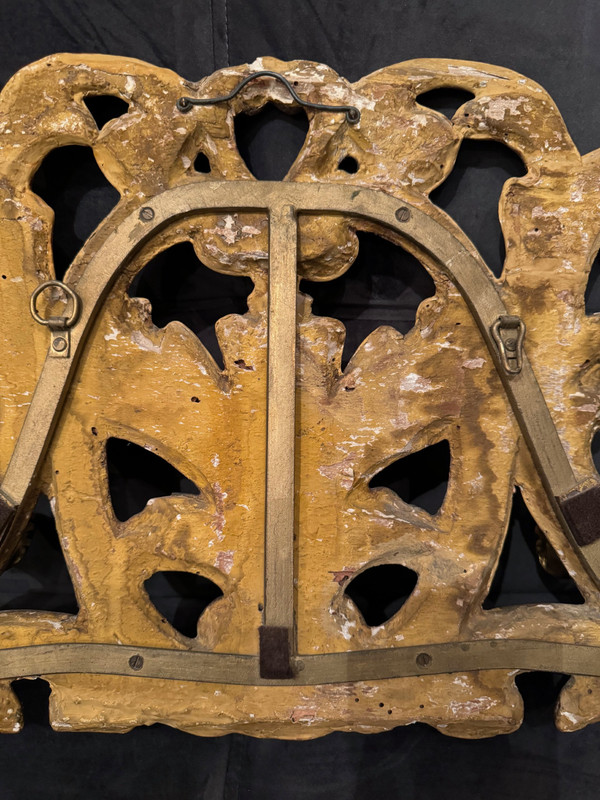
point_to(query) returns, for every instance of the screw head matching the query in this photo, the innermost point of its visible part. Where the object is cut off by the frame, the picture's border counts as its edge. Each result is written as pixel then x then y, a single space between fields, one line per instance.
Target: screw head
pixel 424 659
pixel 403 214
pixel 147 214
pixel 136 662
pixel 510 344
pixel 59 344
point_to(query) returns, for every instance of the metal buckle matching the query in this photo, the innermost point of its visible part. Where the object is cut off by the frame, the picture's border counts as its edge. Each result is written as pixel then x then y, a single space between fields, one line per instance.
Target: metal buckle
pixel 509 333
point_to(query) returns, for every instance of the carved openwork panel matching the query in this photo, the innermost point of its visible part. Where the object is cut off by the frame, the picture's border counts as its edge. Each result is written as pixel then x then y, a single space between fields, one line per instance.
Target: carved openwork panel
pixel 276 502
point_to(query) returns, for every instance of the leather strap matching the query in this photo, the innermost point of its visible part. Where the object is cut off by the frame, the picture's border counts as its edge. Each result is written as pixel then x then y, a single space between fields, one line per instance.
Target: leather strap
pixel 580 509
pixel 275 652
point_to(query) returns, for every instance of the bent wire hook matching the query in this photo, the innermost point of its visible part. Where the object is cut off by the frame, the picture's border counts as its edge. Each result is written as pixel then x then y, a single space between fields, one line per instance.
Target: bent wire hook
pixel 184 104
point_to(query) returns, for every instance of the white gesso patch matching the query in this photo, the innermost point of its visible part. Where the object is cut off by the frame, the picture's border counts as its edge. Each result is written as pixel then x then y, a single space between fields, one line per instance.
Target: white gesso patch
pixel 498 106
pixel 416 383
pixel 474 363
pixel 476 483
pixel 463 69
pixel 137 337
pixel 114 332
pixel 346 628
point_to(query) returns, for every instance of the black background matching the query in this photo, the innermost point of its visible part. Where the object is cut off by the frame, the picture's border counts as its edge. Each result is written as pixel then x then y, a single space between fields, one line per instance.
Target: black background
pixel 555 42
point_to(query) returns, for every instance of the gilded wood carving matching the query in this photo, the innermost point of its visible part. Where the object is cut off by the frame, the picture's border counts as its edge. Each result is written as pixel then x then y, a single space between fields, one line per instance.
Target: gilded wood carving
pixel 502 369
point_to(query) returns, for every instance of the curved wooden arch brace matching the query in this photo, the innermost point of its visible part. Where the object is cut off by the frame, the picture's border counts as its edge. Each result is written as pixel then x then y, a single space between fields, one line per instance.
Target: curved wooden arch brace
pixel 468 272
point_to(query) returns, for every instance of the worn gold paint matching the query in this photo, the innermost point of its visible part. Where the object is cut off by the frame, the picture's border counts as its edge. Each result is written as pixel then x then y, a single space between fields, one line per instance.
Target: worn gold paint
pixel 397 395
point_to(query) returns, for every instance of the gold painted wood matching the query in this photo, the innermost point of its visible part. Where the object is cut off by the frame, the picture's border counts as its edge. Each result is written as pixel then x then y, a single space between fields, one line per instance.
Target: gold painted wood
pixel 444 379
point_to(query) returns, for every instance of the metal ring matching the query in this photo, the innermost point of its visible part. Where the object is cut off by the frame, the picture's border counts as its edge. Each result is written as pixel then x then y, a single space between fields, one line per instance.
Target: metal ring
pixel 73 296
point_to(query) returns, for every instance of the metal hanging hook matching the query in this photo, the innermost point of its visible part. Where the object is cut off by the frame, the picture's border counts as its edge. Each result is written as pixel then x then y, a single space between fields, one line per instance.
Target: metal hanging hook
pixel 60 333
pixel 71 295
pixel 184 104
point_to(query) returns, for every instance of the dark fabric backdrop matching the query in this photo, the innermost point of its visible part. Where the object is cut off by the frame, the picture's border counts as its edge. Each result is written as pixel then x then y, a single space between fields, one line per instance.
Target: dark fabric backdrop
pixel 552 41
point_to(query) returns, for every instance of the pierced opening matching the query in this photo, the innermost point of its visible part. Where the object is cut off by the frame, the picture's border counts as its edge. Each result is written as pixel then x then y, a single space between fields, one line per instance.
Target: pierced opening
pixel 270 140
pixel 471 192
pixel 380 592
pixel 540 692
pixel 40 580
pixel 519 576
pixel 104 107
pixel 421 478
pixel 348 164
pixel 384 286
pixel 592 290
pixel 445 100
pixel 33 697
pixel 201 163
pixel 136 475
pixel 596 450
pixel 70 181
pixel 181 598
pixel 180 287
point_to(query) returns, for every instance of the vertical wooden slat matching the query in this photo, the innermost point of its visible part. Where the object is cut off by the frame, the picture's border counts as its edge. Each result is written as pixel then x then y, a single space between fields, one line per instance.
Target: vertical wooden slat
pixel 281 392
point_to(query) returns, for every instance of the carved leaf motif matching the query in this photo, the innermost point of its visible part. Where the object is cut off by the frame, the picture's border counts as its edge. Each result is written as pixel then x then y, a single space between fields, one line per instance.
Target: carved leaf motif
pixel 161 389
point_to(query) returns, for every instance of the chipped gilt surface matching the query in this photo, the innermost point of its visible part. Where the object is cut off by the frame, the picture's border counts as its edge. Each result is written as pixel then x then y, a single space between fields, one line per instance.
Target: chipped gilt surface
pixel 397 395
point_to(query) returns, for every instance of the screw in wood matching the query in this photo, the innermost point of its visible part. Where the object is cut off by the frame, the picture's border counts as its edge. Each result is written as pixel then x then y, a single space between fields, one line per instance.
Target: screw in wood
pixel 147 214
pixel 136 662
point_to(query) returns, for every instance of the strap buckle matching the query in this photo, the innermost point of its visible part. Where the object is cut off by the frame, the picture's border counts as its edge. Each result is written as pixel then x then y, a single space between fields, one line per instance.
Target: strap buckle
pixel 508 333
